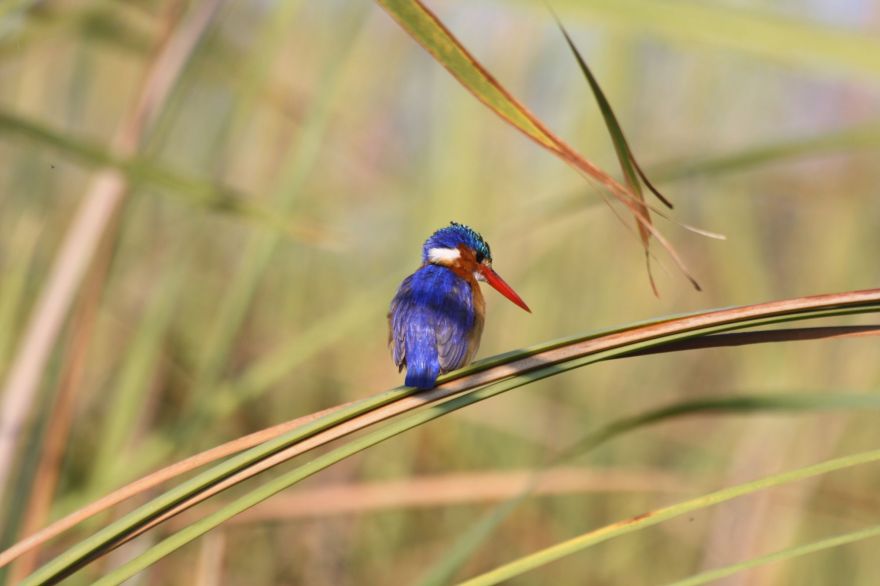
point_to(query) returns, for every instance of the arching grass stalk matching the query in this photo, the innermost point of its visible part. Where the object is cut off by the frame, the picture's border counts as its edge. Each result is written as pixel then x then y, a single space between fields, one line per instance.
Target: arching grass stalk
pixel 533 363
pixel 621 427
pixel 276 485
pixel 560 357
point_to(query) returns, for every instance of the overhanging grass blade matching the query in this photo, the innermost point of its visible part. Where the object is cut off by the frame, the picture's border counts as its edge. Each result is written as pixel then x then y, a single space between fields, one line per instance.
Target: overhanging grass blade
pixel 428 31
pixel 628 164
pixel 630 168
pixel 582 542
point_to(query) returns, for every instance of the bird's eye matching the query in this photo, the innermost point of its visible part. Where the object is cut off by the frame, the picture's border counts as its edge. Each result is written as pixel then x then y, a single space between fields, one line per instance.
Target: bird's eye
pixel 480 257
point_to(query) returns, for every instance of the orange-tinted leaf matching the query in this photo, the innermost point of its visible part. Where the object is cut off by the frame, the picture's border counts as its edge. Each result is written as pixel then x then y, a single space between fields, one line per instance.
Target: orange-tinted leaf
pixel 427 29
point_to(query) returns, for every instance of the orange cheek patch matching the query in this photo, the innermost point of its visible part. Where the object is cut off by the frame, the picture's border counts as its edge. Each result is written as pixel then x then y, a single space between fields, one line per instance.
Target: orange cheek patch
pixel 466 264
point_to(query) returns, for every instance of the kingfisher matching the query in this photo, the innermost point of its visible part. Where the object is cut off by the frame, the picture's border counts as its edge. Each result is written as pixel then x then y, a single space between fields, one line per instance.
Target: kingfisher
pixel 436 317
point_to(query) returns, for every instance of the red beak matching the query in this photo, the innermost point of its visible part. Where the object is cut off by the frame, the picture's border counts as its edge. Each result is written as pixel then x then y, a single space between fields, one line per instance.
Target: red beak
pixel 498 283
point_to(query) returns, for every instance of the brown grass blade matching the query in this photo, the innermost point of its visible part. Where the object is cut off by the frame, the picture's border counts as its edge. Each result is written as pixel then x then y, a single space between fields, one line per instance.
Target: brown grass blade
pixel 424 26
pixel 452 489
pixel 56 436
pixel 155 479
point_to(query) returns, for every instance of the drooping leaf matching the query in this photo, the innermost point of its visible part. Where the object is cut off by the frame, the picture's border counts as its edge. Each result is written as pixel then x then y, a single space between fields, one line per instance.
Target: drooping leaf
pixel 632 172
pixel 430 32
pixel 628 164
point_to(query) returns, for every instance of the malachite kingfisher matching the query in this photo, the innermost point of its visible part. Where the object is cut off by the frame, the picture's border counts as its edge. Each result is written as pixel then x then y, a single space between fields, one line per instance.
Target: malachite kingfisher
pixel 436 317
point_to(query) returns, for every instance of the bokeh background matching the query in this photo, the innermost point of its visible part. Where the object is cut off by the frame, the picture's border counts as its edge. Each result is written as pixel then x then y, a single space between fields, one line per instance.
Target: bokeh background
pixel 279 190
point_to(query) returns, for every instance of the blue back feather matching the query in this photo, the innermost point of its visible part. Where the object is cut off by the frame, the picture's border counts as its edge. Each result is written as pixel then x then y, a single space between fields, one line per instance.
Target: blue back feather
pixel 431 319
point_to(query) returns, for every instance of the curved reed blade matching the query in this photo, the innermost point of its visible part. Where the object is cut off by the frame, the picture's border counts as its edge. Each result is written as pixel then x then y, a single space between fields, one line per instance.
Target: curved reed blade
pixel 467 386
pixel 254 439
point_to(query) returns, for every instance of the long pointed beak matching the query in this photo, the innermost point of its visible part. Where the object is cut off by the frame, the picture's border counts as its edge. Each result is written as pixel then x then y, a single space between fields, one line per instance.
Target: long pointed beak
pixel 499 285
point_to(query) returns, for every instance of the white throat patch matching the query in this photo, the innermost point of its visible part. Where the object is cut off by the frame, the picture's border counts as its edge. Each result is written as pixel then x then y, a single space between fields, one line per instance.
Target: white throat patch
pixel 444 255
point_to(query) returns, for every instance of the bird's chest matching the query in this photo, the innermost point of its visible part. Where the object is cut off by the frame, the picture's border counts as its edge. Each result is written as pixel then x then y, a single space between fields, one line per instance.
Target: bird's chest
pixel 479 305
pixel 460 316
pixel 476 332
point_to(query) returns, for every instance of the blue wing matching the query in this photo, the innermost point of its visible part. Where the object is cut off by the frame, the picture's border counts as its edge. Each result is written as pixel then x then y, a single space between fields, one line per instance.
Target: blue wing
pixel 430 324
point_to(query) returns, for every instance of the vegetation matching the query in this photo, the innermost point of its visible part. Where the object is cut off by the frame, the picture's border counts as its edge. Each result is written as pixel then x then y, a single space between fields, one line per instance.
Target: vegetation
pixel 205 209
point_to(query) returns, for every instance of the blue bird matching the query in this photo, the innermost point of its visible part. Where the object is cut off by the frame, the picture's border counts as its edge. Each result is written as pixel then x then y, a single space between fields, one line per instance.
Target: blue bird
pixel 436 317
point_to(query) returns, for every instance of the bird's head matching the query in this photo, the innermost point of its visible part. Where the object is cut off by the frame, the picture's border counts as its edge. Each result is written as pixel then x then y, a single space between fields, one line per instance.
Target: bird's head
pixel 464 251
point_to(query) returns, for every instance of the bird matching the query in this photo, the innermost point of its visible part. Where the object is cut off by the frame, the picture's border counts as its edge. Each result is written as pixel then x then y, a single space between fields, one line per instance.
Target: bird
pixel 436 317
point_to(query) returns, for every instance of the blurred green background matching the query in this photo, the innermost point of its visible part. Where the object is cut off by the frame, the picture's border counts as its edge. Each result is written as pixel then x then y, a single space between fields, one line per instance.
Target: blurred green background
pixel 283 187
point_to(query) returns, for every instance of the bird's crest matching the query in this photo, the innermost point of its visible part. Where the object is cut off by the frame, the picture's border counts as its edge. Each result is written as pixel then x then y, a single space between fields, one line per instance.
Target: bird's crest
pixel 455 234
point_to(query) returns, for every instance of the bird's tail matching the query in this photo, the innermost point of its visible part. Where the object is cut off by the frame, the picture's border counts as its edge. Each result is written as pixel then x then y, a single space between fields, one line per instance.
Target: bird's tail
pixel 421 379
pixel 422 363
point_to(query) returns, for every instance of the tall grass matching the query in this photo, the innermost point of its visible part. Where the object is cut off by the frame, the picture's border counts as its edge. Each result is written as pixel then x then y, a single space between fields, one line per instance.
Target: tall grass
pixel 304 152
